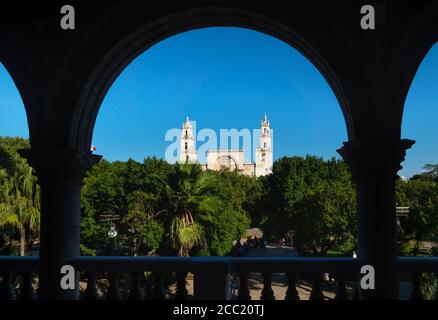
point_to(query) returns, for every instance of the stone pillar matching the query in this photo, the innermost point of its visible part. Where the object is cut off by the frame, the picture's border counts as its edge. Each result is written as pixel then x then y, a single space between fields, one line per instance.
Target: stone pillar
pixel 212 278
pixel 373 166
pixel 60 174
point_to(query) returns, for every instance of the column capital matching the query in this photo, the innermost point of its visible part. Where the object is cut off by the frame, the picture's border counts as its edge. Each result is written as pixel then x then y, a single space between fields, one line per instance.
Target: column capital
pixel 369 159
pixel 61 164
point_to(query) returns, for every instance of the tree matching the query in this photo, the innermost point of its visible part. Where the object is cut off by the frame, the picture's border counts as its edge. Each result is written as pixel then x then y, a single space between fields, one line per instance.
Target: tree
pixel 188 203
pixel 225 226
pixel 131 190
pixel 420 194
pixel 143 230
pixel 297 201
pixel 8 151
pixel 102 193
pixel 236 194
pixel 184 210
pixel 20 203
pixel 19 193
pixel 324 219
pixel 431 170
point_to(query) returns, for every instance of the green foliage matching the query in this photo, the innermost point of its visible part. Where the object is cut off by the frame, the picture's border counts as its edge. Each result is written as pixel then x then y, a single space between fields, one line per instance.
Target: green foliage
pixel 324 218
pixel 185 233
pixel 19 194
pixel 203 253
pixel 227 225
pixel 238 195
pixel 431 171
pixel 181 209
pixel 9 147
pixel 86 251
pixel 143 230
pixel 161 204
pixel 103 190
pixel 188 201
pixel 200 212
pixel 151 234
pixel 420 194
pixel 131 190
pixel 93 236
pixel 312 199
pixel 429 286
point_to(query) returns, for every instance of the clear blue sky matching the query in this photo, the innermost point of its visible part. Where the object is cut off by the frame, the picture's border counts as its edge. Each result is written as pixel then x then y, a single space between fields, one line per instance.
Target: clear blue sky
pixel 228 78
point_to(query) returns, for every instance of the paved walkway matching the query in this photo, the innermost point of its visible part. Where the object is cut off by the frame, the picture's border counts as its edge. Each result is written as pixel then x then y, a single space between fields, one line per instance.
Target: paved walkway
pixel 273 251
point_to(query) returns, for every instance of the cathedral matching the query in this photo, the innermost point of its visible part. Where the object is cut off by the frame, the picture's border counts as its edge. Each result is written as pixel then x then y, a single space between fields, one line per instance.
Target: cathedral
pixel 231 159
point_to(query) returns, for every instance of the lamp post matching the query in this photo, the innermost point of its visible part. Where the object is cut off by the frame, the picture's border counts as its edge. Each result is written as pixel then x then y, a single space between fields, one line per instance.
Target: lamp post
pixel 112 233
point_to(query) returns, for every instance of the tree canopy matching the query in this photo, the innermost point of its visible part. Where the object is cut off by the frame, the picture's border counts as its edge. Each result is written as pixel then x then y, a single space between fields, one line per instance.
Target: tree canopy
pixel 19 195
pixel 180 209
pixel 420 194
pixel 312 199
pixel 163 208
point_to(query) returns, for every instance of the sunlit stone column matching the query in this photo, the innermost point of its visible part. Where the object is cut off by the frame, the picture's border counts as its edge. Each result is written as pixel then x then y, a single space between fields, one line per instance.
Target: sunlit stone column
pixel 373 166
pixel 60 174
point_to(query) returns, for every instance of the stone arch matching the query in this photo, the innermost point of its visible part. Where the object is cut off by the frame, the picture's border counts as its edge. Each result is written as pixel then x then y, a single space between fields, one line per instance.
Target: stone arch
pixel 231 162
pixel 64 89
pixel 420 36
pixel 18 89
pixel 418 122
pixel 127 45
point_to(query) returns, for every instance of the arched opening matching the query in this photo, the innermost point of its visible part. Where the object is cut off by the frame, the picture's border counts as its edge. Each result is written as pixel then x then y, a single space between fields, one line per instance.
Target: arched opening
pixel 19 191
pixel 226 163
pixel 321 116
pixel 419 116
pixel 127 48
pixel 64 92
pixel 227 84
pixel 13 122
pixel 417 187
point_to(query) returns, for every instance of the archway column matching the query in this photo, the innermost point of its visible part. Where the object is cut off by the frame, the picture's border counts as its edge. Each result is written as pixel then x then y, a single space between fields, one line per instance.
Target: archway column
pixel 374 166
pixel 60 175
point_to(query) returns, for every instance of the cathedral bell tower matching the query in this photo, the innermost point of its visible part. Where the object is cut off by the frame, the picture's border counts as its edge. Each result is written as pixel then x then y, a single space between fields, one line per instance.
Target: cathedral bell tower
pixel 264 160
pixel 187 152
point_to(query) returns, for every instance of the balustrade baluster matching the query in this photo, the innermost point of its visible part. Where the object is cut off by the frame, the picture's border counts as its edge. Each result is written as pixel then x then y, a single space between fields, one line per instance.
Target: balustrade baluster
pixel 316 293
pixel 91 290
pixel 158 286
pixel 267 292
pixel 356 292
pixel 416 287
pixel 243 292
pixel 7 291
pixel 136 290
pixel 341 290
pixel 181 287
pixel 27 291
pixel 291 293
pixel 435 296
pixel 113 290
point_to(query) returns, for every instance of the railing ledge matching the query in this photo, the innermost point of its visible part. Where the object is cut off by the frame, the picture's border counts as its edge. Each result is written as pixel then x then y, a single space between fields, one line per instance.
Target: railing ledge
pixel 19 263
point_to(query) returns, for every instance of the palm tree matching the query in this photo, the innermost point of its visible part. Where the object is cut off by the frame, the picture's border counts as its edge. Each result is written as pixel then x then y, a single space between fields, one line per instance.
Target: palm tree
pixel 189 202
pixel 20 202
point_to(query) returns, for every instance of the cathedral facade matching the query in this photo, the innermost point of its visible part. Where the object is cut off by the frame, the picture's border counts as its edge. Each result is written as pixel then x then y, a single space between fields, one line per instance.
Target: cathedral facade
pixel 231 159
